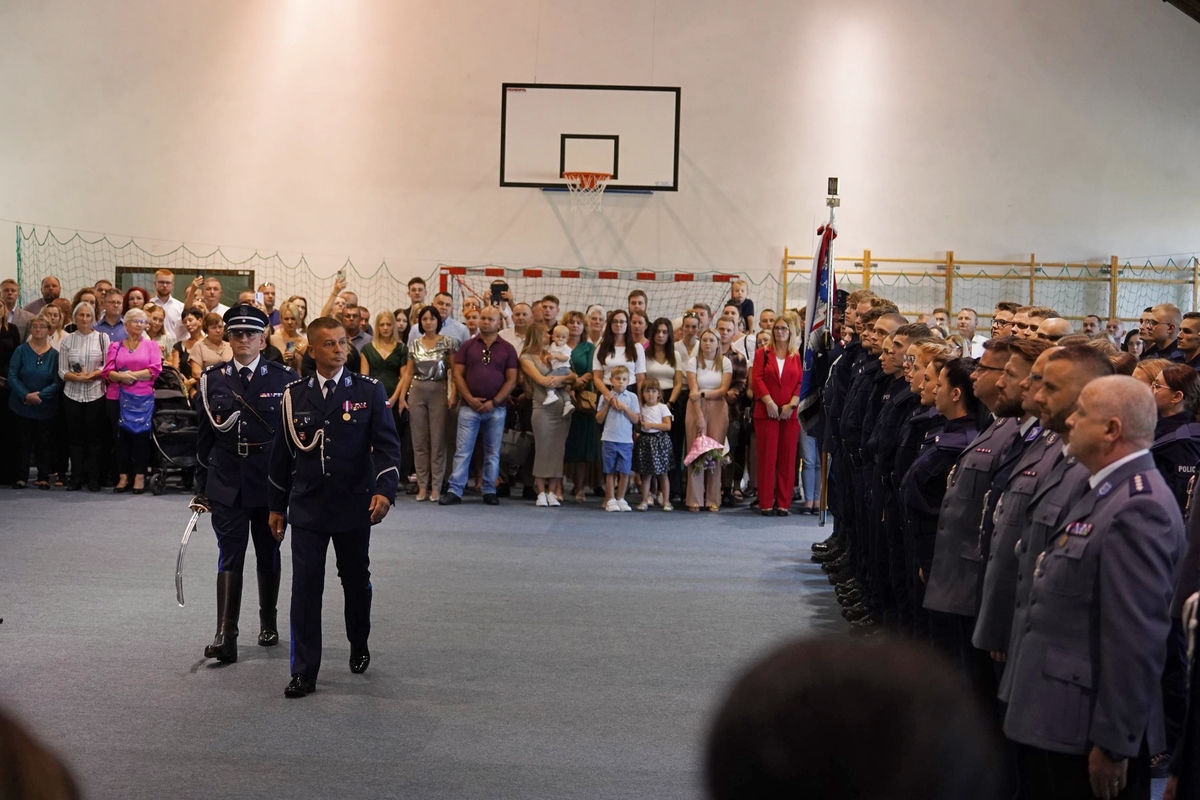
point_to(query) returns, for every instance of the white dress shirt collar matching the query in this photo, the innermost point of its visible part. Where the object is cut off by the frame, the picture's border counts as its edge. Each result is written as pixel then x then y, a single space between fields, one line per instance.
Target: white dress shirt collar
pixel 1096 479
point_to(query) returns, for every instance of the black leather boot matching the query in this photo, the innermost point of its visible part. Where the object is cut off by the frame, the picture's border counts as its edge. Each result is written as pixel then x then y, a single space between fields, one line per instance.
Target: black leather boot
pixel 229 604
pixel 268 597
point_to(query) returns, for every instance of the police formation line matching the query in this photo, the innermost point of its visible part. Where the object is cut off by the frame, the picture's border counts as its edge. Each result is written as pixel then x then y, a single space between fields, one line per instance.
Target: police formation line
pixel 1023 512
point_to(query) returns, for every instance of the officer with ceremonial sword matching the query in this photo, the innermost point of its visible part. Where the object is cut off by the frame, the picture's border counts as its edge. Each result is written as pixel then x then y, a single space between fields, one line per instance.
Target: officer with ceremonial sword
pixel 239 411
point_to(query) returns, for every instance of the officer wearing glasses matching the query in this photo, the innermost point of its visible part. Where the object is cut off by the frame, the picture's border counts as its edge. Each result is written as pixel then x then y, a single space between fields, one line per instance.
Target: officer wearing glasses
pixel 239 402
pixel 1160 333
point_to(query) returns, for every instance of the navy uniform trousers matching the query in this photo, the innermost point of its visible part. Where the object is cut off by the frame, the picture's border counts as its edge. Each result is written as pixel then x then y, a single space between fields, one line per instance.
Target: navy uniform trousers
pixel 309 550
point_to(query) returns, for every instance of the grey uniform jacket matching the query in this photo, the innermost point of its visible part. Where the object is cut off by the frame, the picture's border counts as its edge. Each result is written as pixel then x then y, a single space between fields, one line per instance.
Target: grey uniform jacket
pixel 993 625
pixel 1065 484
pixel 1093 644
pixel 953 584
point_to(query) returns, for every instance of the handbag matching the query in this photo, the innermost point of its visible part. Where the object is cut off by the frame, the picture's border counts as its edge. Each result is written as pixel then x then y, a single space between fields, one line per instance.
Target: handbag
pixel 587 400
pixel 136 411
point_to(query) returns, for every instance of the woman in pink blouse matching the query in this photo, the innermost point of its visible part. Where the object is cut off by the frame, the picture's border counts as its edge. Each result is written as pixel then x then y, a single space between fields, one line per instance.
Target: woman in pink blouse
pixel 130 370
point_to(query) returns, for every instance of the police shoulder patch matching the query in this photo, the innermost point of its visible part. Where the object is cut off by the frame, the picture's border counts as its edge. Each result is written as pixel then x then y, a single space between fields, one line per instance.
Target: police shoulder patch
pixel 1052 438
pixel 1138 484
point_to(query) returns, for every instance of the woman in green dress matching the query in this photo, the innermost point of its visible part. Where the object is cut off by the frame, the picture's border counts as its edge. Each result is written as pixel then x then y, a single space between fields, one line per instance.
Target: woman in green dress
pixel 383 358
pixel 583 439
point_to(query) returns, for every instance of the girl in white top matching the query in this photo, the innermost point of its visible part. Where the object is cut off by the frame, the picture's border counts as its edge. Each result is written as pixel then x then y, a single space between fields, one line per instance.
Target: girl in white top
pixel 617 349
pixel 709 375
pixel 662 361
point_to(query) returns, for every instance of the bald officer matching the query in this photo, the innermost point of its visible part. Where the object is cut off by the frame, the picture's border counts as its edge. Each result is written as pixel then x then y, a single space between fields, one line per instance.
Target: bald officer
pixel 1086 702
pixel 334 471
pixel 239 404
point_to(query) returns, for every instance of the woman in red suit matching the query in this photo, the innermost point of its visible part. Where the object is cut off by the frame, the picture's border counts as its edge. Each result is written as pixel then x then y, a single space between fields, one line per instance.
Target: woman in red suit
pixel 777 374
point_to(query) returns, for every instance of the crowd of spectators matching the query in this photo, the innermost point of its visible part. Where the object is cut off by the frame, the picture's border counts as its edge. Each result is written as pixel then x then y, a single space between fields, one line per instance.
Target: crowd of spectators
pixel 507 392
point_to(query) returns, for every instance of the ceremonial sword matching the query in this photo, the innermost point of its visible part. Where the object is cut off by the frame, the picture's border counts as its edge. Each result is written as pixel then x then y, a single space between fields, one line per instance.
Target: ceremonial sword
pixel 197 510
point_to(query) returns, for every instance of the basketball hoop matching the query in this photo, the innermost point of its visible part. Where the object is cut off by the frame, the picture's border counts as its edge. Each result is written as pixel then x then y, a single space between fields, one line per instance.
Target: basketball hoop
pixel 586 188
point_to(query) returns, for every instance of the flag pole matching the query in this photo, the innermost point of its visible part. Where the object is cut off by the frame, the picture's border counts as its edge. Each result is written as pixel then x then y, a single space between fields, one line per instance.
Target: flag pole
pixel 833 201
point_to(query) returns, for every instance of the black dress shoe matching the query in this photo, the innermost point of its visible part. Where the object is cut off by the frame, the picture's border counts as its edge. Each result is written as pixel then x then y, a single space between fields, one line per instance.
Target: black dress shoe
pixel 300 686
pixel 449 499
pixel 74 487
pixel 121 489
pixel 781 512
pixel 855 612
pixel 768 512
pixel 138 491
pixel 360 659
pixel 864 627
pixel 491 500
pixel 827 556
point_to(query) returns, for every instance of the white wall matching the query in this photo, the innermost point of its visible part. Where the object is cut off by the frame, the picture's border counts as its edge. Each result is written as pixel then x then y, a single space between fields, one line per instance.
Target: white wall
pixel 370 129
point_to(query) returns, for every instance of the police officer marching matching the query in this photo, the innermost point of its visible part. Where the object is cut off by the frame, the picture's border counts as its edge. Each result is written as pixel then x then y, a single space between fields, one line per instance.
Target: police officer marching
pixel 239 411
pixel 333 474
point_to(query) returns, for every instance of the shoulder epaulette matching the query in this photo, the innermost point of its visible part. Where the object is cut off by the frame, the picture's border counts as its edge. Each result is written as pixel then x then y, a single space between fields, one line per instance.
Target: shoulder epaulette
pixel 284 367
pixel 367 378
pixel 217 366
pixel 295 382
pixel 1138 484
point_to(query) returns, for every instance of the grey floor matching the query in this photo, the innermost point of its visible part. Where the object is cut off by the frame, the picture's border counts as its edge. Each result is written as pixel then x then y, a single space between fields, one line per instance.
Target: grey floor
pixel 517 652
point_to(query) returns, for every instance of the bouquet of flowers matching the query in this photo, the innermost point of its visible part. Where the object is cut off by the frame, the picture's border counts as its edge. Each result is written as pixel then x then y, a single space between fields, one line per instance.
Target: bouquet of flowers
pixel 706 453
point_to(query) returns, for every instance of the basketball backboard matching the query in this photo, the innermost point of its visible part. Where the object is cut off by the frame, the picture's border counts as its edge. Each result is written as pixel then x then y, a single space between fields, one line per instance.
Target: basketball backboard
pixel 630 132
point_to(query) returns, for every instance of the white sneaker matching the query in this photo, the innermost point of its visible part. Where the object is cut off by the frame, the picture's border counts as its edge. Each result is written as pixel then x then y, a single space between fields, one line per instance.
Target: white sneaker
pixel 568 408
pixel 624 506
pixel 552 500
pixel 542 501
pixel 551 397
pixel 611 505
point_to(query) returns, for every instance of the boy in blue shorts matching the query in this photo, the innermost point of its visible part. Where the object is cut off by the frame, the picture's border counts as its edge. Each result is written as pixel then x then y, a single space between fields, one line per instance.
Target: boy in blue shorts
pixel 616 441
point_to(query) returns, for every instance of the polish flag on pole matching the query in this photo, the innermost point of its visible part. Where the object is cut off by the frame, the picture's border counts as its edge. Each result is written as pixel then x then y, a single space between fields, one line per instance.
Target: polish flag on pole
pixel 822 289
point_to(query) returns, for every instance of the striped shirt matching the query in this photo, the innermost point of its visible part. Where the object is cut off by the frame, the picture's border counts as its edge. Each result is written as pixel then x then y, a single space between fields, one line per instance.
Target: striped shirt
pixel 88 353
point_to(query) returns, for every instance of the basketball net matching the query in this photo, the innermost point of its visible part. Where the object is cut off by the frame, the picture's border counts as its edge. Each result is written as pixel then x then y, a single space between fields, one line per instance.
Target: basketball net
pixel 586 189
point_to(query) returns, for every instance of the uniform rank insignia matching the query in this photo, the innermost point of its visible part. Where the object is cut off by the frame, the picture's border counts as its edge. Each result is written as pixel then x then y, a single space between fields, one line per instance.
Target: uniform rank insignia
pixel 228 369
pixel 1139 484
pixel 262 370
pixel 1029 473
pixel 1052 438
pixel 1034 432
pixel 347 381
pixel 1104 489
pixel 987 450
pixel 1080 528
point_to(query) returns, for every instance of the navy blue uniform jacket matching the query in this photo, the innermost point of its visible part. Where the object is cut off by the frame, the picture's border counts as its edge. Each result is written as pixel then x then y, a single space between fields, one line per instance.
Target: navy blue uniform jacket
pixel 356 454
pixel 236 460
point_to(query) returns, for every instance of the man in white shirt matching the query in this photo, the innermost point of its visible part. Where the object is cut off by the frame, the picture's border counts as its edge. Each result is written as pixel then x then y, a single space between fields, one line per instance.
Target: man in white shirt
pixel 522 316
pixel 210 293
pixel 968 322
pixel 164 284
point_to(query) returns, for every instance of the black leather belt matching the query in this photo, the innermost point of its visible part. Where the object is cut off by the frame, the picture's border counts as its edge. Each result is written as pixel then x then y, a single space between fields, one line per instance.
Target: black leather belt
pixel 244 449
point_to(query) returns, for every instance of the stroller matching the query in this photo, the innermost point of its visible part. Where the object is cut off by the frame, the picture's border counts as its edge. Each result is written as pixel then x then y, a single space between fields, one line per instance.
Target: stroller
pixel 173 431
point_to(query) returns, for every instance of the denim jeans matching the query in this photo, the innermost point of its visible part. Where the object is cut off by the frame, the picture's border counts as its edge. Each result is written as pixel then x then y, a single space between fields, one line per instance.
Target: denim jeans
pixel 469 423
pixel 810 469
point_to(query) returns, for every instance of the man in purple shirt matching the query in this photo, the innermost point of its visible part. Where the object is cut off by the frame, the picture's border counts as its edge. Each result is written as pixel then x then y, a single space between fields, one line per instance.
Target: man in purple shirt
pixel 485 373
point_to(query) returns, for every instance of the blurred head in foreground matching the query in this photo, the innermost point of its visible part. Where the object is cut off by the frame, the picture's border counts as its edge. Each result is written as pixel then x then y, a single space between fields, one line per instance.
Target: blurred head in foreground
pixel 831 718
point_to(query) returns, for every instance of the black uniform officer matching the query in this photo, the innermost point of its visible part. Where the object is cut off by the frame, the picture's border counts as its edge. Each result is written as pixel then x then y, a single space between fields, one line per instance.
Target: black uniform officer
pixel 1176 452
pixel 334 471
pixel 853 489
pixel 239 411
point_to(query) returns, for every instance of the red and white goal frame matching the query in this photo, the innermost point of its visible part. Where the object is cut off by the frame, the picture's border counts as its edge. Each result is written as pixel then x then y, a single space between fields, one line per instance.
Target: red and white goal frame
pixel 668 294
